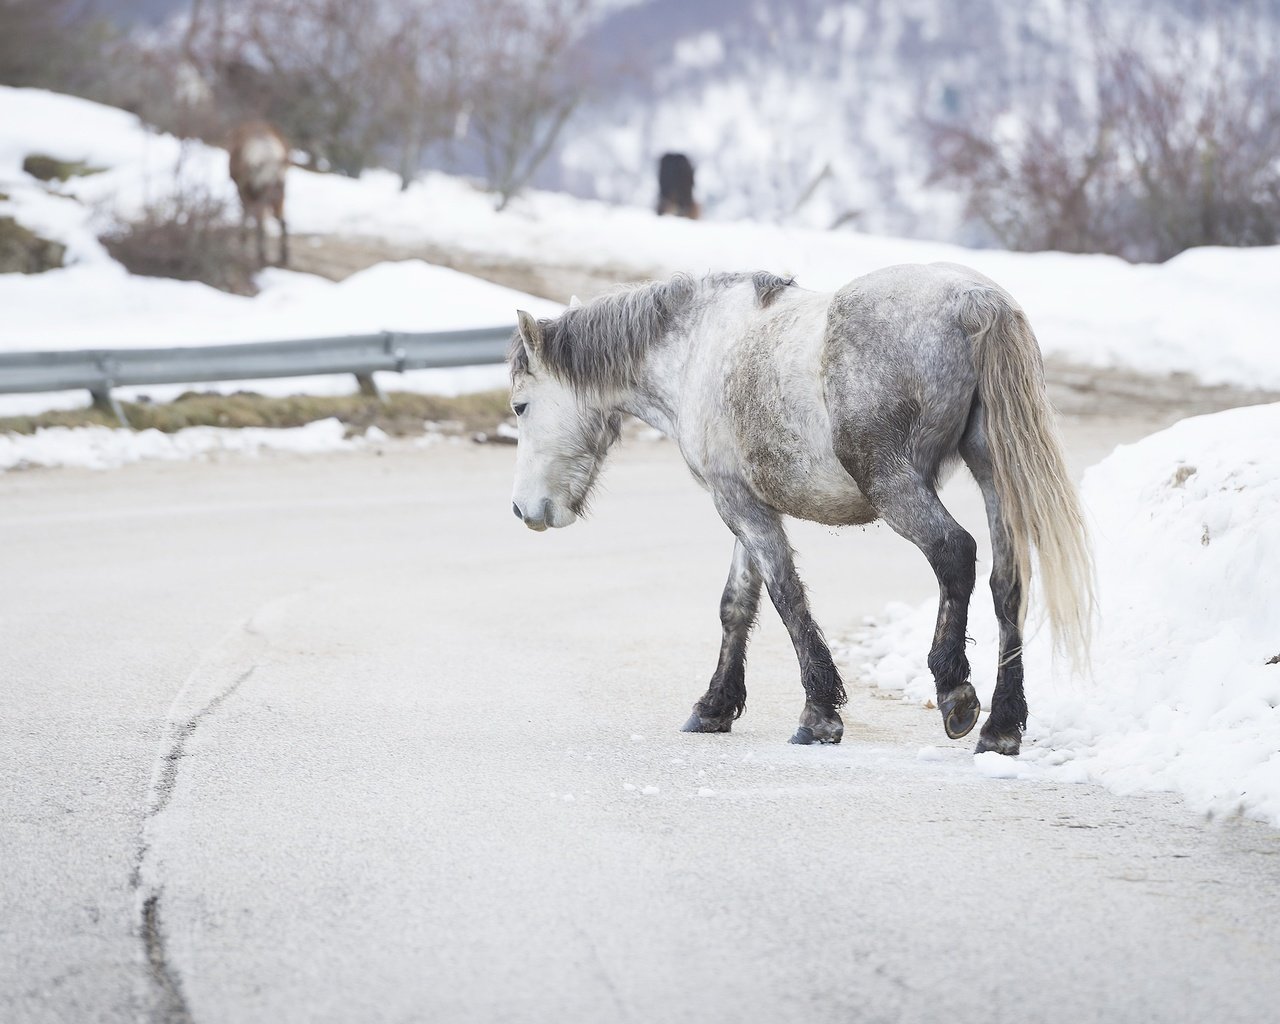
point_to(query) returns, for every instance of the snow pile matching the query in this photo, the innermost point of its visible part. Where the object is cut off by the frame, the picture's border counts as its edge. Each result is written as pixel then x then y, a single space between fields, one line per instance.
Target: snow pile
pixel 1182 695
pixel 106 448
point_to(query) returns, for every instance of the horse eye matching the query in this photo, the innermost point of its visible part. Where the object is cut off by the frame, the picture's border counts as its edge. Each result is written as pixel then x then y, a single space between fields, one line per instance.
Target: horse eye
pixel 520 407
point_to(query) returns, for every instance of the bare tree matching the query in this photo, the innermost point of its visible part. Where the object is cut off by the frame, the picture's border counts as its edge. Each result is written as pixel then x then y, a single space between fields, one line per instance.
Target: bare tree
pixel 53 44
pixel 1164 144
pixel 524 76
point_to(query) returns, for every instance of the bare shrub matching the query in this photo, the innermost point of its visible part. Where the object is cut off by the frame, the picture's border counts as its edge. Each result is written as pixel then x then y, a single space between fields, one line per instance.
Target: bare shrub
pixel 53 44
pixel 525 76
pixel 187 236
pixel 1142 153
pixel 348 81
pixel 356 83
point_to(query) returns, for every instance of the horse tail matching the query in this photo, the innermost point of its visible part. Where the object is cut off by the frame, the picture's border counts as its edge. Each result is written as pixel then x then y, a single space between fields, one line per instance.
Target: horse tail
pixel 1038 502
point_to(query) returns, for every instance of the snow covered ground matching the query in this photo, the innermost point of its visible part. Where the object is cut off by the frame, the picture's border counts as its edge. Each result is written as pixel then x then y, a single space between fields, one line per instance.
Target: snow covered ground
pixel 1185 691
pixel 1210 312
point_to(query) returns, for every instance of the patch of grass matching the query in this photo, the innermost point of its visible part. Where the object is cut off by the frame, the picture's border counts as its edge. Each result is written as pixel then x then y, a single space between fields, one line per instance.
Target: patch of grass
pixel 402 414
pixel 48 168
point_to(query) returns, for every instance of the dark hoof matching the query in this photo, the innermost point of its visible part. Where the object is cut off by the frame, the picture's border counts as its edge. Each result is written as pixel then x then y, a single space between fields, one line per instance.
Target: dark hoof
pixel 823 732
pixel 1007 743
pixel 697 723
pixel 960 710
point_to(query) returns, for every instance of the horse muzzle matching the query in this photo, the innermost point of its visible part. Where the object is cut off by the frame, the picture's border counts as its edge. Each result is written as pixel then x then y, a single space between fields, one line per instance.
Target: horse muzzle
pixel 538 516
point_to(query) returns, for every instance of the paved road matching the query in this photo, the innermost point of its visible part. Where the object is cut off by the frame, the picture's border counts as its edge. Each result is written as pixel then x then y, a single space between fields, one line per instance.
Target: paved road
pixel 334 739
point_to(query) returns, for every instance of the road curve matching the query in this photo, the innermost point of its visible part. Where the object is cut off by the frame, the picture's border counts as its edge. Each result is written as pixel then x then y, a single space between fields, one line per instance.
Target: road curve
pixel 334 739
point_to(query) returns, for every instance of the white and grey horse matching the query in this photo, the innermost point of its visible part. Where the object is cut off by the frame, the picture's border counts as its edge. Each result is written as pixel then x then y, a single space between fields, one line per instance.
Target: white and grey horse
pixel 838 408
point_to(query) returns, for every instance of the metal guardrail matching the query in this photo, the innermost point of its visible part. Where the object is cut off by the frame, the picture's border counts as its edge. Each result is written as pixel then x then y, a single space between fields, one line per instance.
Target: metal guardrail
pixel 98 371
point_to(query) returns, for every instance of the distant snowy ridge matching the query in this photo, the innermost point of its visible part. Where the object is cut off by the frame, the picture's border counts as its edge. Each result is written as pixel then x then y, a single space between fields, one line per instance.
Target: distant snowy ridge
pixel 1184 694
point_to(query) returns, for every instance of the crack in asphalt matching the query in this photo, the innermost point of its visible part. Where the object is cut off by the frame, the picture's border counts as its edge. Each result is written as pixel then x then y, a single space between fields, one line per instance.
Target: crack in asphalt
pixel 168 1004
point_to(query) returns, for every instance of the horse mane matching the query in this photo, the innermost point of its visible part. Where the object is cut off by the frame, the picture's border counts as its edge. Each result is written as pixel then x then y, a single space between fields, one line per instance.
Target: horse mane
pixel 601 344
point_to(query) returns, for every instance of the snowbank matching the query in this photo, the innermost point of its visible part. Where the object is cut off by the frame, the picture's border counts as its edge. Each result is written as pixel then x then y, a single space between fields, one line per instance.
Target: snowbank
pixel 1182 698
pixel 105 448
pixel 1209 313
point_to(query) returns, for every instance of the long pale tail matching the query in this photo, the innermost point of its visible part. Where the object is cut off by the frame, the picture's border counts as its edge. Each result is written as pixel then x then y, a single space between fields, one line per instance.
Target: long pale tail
pixel 1038 501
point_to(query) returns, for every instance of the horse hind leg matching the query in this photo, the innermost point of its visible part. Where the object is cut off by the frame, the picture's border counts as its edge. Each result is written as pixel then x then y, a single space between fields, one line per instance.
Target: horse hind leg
pixel 260 234
pixel 284 239
pixel 725 698
pixel 910 505
pixel 1002 731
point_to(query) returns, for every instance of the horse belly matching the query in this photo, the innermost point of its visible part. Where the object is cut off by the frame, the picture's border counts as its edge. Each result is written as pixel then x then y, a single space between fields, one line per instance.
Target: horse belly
pixel 818 490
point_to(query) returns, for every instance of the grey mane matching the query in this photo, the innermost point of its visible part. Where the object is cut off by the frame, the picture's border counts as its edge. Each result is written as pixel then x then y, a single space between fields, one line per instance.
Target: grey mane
pixel 602 343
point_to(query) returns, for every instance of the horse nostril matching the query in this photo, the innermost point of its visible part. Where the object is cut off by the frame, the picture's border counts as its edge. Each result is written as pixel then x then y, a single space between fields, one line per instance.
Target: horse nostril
pixel 516 509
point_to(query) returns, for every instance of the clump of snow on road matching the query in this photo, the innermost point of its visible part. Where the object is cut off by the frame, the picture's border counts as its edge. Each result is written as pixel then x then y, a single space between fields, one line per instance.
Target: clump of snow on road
pixel 107 448
pixel 1186 527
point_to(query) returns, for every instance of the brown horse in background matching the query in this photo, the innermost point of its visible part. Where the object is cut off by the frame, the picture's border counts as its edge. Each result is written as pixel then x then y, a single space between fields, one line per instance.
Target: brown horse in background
pixel 259 163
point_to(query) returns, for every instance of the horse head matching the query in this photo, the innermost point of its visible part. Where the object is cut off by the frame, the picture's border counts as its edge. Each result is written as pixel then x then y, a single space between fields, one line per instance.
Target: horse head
pixel 566 431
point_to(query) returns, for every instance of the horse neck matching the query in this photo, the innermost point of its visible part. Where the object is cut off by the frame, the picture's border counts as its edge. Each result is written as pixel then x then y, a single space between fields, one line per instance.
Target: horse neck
pixel 654 395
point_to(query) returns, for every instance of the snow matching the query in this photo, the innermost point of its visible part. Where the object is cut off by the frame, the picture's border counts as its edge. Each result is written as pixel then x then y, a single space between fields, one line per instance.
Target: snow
pixel 94 303
pixel 1186 528
pixel 107 448
pixel 1209 313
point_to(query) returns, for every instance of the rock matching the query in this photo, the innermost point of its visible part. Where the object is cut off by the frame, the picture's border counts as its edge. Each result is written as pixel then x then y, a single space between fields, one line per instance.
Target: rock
pixel 24 252
pixel 48 168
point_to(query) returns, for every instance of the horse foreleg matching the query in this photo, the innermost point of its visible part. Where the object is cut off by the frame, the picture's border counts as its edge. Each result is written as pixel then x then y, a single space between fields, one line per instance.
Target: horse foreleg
pixel 759 529
pixel 1002 731
pixel 725 698
pixel 908 504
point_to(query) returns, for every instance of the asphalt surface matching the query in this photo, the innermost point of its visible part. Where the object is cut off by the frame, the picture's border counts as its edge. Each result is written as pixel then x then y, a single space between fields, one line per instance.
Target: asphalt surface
pixel 336 739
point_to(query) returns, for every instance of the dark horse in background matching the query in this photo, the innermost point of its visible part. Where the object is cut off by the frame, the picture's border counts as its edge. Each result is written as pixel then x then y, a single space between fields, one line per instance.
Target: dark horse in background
pixel 838 408
pixel 675 186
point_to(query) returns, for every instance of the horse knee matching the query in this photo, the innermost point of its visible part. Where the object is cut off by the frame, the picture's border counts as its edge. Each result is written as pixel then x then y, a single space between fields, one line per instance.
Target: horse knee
pixel 954 558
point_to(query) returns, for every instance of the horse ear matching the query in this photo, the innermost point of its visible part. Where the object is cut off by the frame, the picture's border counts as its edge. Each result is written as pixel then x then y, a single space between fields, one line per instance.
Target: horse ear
pixel 530 334
pixel 574 302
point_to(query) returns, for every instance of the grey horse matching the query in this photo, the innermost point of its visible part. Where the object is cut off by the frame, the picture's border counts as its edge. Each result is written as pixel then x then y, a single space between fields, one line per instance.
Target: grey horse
pixel 837 408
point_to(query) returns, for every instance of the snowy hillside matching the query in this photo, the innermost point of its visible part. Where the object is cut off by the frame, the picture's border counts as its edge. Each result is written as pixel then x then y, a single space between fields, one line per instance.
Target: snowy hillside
pixel 1185 686
pixel 814 112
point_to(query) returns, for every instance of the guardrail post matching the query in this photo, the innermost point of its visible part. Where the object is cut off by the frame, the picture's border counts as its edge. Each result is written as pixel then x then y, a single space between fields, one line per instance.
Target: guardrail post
pixel 103 399
pixel 369 387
